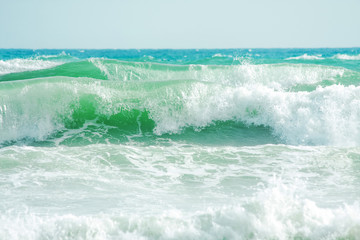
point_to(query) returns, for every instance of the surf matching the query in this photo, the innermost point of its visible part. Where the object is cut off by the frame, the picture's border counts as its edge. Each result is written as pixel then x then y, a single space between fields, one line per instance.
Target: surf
pixel 40 107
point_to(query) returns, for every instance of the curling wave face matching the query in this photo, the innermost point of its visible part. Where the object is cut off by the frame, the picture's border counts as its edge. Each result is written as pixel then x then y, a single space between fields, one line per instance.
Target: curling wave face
pixel 300 104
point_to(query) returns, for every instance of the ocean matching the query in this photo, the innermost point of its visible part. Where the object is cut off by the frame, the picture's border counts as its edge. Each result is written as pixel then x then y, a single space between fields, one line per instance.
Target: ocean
pixel 180 144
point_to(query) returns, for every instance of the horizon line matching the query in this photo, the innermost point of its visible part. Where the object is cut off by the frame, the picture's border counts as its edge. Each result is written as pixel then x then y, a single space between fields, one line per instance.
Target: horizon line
pixel 179 48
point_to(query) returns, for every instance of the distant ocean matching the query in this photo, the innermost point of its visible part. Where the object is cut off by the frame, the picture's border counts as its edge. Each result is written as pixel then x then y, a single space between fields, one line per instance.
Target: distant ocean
pixel 180 144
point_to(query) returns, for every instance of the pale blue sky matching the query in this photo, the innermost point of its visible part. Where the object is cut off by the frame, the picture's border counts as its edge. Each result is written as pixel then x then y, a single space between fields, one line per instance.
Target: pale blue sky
pixel 179 23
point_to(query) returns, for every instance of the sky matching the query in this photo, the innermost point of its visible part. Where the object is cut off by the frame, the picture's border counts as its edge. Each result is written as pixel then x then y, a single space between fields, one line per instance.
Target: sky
pixel 138 24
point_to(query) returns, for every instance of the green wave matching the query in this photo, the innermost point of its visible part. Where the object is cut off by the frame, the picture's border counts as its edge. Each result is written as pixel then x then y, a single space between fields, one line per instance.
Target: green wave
pixel 51 108
pixel 127 120
pixel 122 99
pixel 295 77
pixel 72 69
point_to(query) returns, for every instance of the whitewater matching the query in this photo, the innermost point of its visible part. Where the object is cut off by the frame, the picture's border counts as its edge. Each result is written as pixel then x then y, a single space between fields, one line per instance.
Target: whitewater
pixel 180 144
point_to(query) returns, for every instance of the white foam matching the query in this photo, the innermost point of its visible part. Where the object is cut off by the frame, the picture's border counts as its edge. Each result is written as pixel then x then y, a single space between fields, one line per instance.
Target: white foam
pixel 306 57
pixel 179 191
pixel 34 110
pixel 346 57
pixel 326 116
pixel 271 215
pixel 219 55
pixel 62 54
pixel 272 75
pixel 21 65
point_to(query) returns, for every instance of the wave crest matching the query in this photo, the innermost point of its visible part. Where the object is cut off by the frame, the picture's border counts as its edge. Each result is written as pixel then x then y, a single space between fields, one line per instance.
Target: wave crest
pixel 306 57
pixel 21 65
pixel 347 57
pixel 326 116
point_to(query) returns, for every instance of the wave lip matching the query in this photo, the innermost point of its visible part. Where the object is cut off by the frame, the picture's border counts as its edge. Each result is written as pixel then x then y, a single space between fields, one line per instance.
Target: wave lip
pixel 326 116
pixel 277 76
pixel 346 57
pixel 33 63
pixel 22 65
pixel 306 57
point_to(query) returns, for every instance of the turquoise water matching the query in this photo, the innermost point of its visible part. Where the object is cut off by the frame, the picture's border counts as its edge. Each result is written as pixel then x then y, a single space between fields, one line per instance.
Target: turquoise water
pixel 180 144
